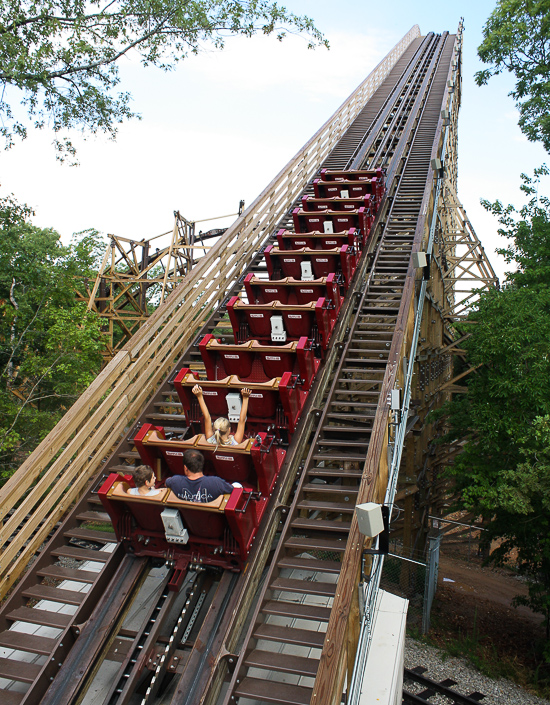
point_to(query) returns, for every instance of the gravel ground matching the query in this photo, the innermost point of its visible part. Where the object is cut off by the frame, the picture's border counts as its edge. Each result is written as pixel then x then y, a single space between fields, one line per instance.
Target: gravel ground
pixel 497 692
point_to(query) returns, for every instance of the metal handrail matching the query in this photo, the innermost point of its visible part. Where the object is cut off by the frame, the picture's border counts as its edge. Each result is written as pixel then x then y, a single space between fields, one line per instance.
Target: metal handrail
pixel 371 587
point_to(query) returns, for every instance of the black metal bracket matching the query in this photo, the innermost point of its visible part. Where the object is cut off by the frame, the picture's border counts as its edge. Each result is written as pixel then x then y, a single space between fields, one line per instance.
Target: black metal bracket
pixel 269 440
pixel 254 496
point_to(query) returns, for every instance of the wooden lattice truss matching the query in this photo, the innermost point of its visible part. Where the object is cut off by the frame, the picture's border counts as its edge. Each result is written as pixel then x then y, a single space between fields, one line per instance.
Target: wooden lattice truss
pixel 464 271
pixel 460 256
pixel 135 277
pixel 459 272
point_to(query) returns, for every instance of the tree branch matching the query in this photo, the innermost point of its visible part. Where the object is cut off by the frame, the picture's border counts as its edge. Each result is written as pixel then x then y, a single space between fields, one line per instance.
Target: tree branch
pixel 29 399
pixel 9 366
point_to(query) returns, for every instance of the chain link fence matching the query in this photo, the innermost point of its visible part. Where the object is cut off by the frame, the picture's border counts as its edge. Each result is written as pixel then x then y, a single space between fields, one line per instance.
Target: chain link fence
pixel 461 540
pixel 413 577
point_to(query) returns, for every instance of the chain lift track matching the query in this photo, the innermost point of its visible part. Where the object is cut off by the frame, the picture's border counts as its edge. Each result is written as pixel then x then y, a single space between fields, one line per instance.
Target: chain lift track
pixel 307 559
pixel 58 621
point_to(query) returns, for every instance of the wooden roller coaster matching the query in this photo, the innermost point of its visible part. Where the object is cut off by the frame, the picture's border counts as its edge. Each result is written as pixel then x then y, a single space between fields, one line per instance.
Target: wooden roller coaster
pixel 293 625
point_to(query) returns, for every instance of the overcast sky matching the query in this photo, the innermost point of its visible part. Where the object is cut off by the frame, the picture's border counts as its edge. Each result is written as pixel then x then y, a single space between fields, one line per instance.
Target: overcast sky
pixel 223 124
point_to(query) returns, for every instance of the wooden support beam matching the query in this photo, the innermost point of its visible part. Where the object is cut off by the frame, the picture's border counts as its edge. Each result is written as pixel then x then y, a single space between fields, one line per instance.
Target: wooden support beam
pixel 130 378
pixel 453 381
pixel 329 682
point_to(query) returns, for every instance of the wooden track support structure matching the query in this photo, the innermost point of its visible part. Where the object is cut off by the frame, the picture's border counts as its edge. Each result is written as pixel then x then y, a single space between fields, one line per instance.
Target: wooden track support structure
pixel 60 469
pixel 414 311
pixel 135 277
pixel 342 638
pixel 459 270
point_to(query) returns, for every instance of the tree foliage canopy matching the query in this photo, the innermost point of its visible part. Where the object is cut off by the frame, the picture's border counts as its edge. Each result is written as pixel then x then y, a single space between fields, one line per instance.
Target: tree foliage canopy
pixel 517 39
pixel 509 336
pixel 63 55
pixel 527 229
pixel 49 345
pixel 503 471
pixel 521 520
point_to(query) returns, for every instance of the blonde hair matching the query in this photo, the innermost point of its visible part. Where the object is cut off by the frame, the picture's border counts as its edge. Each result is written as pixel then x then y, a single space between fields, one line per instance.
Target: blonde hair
pixel 221 427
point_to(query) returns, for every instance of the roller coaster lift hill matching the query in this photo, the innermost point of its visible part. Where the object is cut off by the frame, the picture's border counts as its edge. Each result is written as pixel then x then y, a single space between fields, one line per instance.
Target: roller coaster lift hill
pixel 281 328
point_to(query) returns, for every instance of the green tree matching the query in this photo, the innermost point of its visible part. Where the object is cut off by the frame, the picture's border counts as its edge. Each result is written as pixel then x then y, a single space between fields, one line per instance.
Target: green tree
pixel 510 331
pixel 516 38
pixel 527 229
pixel 522 521
pixel 61 57
pixel 503 472
pixel 50 347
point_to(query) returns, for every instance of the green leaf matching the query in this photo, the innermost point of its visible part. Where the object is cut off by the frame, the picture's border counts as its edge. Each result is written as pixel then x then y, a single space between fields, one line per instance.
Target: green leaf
pixel 62 55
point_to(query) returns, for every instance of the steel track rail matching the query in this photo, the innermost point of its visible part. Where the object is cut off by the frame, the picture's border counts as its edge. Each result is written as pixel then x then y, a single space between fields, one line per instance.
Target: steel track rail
pixel 122 687
pixel 373 124
pixel 40 622
pixel 301 584
pixel 43 664
pixel 181 690
pixel 370 588
pixel 432 688
pixel 148 657
pixel 84 658
pixel 375 150
pixel 367 130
